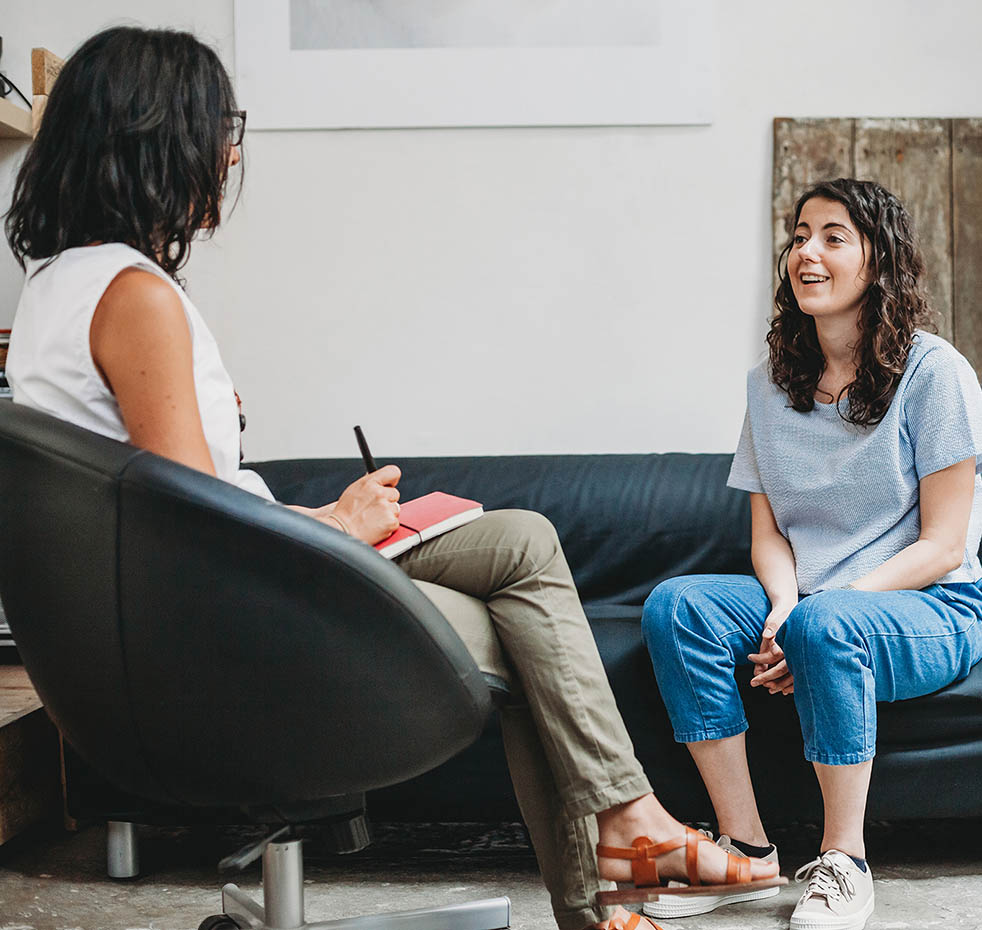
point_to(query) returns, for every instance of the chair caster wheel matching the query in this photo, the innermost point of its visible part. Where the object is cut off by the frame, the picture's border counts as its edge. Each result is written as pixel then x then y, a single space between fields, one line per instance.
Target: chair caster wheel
pixel 218 922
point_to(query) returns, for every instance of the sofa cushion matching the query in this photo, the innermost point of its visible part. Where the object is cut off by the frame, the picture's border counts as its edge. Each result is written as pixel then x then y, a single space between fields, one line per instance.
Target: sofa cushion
pixel 951 714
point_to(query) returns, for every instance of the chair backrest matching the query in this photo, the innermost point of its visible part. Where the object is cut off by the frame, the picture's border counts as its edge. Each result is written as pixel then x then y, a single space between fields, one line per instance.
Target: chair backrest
pixel 199 645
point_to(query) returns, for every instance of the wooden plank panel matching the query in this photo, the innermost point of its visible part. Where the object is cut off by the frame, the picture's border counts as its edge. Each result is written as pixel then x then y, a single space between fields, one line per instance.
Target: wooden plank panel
pixel 966 175
pixel 805 151
pixel 912 158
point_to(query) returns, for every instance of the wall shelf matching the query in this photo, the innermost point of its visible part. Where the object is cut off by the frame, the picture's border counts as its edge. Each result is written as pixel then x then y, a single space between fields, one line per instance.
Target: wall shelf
pixel 15 123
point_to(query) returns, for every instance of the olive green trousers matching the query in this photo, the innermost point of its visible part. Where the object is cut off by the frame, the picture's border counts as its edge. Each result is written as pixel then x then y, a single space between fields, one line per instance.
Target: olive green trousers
pixel 503 583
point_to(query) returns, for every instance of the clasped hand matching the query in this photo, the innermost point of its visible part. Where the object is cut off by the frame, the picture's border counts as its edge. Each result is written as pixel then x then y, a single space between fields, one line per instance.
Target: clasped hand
pixel 770 667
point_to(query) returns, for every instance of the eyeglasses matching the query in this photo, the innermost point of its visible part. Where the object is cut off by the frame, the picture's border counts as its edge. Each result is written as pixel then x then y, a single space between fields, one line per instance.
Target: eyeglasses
pixel 235 123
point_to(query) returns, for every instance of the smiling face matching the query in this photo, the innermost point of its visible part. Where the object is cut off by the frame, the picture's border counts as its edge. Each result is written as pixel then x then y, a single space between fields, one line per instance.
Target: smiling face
pixel 827 264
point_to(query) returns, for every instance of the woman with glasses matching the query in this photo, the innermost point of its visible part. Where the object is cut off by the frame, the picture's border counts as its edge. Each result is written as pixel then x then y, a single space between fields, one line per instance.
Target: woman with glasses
pixel 130 163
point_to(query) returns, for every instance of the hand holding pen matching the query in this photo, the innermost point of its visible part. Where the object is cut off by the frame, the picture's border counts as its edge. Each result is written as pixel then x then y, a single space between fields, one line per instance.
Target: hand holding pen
pixel 369 508
pixel 382 475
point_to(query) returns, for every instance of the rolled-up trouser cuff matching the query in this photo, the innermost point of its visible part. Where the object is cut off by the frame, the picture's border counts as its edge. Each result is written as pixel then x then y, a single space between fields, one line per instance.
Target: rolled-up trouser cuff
pixel 628 790
pixel 698 736
pixel 586 917
pixel 833 758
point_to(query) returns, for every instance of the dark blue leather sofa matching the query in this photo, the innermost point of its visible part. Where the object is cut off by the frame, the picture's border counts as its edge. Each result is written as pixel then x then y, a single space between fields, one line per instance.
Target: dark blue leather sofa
pixel 627 522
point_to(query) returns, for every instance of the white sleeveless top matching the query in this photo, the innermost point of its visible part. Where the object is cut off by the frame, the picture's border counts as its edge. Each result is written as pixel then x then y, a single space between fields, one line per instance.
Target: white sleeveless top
pixel 50 364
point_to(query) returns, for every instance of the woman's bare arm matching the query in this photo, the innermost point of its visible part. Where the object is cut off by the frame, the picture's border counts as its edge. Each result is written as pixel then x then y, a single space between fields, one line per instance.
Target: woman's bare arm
pixel 771 555
pixel 774 566
pixel 141 345
pixel 946 507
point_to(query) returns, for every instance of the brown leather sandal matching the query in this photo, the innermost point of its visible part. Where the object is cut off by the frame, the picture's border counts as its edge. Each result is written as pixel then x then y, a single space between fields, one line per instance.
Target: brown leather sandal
pixel 633 921
pixel 644 870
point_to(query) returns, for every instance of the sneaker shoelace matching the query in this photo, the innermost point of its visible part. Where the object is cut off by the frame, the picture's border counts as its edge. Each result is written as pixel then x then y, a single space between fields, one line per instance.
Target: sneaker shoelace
pixel 826 878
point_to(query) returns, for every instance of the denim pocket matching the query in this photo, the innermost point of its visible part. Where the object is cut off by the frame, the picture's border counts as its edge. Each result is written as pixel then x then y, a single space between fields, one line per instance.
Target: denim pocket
pixel 965 597
pixel 965 592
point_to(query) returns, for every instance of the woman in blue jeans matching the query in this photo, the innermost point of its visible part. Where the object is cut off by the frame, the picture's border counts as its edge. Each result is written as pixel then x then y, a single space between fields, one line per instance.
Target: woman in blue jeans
pixel 860 449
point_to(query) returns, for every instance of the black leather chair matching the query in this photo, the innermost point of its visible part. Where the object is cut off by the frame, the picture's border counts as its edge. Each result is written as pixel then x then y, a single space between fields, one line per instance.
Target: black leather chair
pixel 201 647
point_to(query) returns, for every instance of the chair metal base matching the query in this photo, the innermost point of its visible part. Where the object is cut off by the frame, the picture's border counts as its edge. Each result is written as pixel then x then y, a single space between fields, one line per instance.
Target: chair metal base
pixel 122 850
pixel 283 897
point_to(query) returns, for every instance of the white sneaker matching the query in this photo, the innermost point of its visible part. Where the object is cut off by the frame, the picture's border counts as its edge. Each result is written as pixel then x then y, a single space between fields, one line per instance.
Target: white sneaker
pixel 677 905
pixel 839 894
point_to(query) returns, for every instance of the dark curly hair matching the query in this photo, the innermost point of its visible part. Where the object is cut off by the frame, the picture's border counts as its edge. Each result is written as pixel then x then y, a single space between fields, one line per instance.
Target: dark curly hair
pixel 893 306
pixel 133 148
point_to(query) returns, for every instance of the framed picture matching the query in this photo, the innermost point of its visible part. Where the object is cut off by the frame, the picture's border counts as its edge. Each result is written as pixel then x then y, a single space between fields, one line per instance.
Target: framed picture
pixel 343 64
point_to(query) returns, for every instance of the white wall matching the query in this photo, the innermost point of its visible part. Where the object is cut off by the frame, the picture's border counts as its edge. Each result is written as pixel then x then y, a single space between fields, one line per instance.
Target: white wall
pixel 606 288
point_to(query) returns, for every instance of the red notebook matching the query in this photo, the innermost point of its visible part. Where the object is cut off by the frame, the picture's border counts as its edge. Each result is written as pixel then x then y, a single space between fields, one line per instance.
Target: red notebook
pixel 426 517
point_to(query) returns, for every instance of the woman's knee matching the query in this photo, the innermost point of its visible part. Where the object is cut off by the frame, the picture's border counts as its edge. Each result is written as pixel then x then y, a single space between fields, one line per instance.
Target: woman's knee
pixel 819 627
pixel 528 532
pixel 668 607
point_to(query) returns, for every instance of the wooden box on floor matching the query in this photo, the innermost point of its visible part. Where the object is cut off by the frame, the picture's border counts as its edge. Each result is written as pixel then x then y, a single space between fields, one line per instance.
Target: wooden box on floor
pixel 30 767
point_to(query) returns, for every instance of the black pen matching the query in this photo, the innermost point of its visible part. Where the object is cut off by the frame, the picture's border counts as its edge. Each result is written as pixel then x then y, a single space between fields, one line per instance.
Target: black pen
pixel 366 453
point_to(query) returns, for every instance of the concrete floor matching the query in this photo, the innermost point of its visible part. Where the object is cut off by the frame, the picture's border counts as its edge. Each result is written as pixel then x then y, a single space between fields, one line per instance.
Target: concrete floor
pixel 927 875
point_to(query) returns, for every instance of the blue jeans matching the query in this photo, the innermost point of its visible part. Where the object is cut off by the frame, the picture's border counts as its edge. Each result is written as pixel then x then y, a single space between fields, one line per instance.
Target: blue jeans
pixel 846 649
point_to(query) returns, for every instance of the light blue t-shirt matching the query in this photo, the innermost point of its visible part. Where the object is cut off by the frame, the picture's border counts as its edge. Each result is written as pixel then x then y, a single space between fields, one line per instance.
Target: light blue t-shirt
pixel 847 497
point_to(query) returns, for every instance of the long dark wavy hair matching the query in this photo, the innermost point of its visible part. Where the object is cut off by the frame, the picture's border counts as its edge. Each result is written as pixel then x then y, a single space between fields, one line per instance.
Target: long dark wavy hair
pixel 133 148
pixel 893 306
